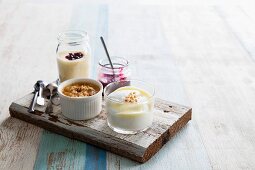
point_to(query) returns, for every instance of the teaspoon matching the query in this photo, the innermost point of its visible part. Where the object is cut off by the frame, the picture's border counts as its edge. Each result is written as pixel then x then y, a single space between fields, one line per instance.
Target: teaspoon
pixel 40 99
pixel 31 108
pixel 52 87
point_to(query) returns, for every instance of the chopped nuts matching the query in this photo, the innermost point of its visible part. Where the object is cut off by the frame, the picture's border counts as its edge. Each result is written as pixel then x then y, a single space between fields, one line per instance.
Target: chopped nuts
pixel 80 90
pixel 131 98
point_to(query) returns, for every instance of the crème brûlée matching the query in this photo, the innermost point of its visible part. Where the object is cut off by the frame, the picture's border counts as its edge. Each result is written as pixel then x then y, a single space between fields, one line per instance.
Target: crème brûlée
pixel 130 108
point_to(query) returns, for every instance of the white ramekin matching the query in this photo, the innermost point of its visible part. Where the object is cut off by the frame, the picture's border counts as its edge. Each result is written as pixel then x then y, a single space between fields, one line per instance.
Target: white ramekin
pixel 80 108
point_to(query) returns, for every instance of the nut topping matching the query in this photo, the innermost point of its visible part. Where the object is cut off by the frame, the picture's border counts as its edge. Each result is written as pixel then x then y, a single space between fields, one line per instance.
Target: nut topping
pixel 131 98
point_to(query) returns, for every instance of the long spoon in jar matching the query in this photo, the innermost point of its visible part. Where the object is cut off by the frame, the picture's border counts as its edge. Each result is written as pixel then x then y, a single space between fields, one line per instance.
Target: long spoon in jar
pixel 108 56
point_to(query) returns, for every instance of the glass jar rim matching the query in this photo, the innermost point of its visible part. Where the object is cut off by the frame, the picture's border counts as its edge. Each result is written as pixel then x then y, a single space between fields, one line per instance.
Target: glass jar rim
pixel 140 81
pixel 70 36
pixel 108 66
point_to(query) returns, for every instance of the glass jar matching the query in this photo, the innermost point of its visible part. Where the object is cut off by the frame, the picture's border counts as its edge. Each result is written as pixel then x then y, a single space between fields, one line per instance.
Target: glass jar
pixel 120 71
pixel 129 106
pixel 73 55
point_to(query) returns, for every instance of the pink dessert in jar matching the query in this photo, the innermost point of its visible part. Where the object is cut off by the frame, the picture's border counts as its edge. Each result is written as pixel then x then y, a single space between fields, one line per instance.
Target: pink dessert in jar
pixel 120 71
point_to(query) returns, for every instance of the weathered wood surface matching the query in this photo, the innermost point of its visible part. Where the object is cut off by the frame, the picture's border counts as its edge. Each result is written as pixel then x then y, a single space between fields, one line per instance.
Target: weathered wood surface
pixel 169 118
pixel 201 50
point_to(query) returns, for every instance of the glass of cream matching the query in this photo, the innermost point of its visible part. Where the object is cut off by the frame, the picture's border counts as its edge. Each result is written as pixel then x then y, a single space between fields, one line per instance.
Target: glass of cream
pixel 129 106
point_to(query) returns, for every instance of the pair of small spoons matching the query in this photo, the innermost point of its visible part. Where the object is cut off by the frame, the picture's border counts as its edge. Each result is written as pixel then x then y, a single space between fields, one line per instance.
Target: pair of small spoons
pixel 38 95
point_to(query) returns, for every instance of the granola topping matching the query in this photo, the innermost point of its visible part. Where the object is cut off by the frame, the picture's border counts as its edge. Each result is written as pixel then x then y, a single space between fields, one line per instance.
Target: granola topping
pixel 80 90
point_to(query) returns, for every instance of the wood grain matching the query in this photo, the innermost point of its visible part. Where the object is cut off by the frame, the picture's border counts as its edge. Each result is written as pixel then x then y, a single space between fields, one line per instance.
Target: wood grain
pixel 216 63
pixel 169 118
pixel 21 138
pixel 201 50
pixel 58 152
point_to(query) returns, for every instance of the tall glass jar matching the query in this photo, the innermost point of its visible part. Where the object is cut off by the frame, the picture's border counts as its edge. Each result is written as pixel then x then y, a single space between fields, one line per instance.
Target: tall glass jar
pixel 120 71
pixel 73 55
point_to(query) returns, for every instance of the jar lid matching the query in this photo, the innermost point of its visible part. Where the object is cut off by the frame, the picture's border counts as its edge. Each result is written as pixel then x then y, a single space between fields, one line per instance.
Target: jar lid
pixel 73 36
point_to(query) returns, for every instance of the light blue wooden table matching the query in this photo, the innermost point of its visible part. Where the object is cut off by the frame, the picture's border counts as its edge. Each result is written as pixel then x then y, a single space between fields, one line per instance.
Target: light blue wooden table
pixel 195 54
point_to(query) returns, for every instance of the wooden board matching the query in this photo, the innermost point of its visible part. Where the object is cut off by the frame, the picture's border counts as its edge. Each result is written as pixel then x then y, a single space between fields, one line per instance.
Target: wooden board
pixel 202 53
pixel 169 118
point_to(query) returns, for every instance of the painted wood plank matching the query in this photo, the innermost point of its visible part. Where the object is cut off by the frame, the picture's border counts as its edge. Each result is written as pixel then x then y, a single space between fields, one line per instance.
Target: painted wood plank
pixel 58 152
pixel 218 75
pixel 243 33
pixel 22 140
pixel 95 158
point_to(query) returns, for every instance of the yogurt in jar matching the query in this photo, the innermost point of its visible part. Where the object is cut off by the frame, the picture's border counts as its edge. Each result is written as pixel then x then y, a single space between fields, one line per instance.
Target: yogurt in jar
pixel 73 64
pixel 129 109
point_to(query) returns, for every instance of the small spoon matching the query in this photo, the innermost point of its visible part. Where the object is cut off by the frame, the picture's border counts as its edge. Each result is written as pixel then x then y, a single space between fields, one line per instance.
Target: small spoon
pixel 52 87
pixel 31 108
pixel 40 99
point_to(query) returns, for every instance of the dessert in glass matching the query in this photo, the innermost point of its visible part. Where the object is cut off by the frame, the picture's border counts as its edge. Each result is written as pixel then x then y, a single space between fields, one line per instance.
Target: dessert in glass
pixel 129 106
pixel 119 72
pixel 73 55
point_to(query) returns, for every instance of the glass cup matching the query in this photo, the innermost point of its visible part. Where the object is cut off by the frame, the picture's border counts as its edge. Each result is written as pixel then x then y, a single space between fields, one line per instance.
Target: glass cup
pixel 127 117
pixel 119 72
pixel 73 55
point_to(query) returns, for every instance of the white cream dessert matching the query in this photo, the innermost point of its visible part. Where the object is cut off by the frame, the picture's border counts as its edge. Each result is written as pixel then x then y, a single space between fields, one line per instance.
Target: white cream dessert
pixel 129 109
pixel 73 64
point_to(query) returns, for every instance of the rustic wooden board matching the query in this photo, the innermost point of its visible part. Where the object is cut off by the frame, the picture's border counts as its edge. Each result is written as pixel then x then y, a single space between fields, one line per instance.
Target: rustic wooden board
pixel 205 51
pixel 169 118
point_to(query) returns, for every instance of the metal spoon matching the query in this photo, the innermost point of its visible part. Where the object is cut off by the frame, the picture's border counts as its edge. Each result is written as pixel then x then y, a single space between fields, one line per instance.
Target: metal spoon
pixel 40 99
pixel 52 87
pixel 31 108
pixel 108 56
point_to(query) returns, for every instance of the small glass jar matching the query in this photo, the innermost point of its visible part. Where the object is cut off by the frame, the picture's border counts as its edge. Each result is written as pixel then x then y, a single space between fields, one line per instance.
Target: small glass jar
pixel 129 106
pixel 73 55
pixel 120 71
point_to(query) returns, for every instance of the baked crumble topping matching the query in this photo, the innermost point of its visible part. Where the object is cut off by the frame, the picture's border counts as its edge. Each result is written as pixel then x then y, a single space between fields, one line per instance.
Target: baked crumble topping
pixel 80 90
